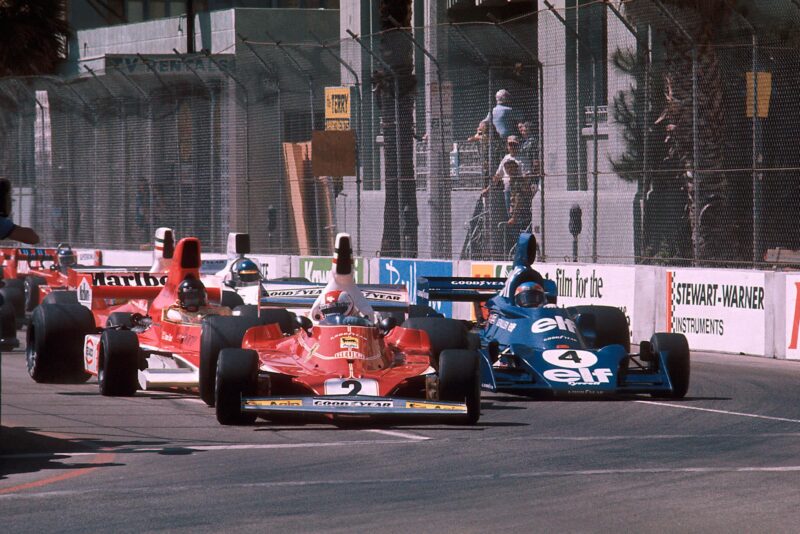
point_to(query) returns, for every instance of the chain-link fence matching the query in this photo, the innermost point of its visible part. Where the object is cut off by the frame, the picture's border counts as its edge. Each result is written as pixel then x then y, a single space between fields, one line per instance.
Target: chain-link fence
pixel 636 140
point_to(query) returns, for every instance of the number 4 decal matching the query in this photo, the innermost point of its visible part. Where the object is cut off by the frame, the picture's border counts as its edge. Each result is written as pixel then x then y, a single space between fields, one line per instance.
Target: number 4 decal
pixel 570 355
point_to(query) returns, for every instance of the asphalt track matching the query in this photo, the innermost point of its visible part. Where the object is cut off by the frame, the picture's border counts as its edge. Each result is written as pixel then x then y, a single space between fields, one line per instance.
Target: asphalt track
pixel 725 459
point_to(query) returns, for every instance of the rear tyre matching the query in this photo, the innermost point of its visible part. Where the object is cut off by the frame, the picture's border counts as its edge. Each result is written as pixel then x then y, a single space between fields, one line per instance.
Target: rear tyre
pixel 443 334
pixel 231 299
pixel 32 284
pixel 611 325
pixel 117 371
pixel 676 349
pixel 8 327
pixel 61 297
pixel 55 342
pixel 237 376
pixel 460 380
pixel 223 332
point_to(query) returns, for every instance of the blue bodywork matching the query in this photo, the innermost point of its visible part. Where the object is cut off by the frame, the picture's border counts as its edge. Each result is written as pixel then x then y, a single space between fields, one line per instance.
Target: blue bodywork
pixel 525 350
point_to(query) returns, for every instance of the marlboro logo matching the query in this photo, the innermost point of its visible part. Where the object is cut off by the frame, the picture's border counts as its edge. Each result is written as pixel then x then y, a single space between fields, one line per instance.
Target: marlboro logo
pixel 129 279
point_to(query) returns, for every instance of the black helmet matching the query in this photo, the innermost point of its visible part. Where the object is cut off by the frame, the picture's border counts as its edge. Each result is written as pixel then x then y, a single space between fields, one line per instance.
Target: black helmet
pixel 66 257
pixel 529 295
pixel 191 294
pixel 244 272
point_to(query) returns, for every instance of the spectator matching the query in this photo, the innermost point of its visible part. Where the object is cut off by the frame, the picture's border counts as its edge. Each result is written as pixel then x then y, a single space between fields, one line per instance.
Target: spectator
pixel 528 146
pixel 502 116
pixel 512 145
pixel 522 192
pixel 9 230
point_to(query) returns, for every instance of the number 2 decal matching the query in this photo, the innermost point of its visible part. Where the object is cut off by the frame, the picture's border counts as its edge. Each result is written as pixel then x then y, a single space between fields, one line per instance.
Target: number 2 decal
pixel 355 384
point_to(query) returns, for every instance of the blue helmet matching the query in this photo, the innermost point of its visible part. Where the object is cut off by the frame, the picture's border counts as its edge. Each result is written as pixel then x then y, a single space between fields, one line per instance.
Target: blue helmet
pixel 245 272
pixel 529 295
pixel 66 256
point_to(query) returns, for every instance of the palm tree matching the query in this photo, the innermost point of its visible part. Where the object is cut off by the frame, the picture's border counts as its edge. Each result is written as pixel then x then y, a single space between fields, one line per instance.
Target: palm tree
pixel 33 36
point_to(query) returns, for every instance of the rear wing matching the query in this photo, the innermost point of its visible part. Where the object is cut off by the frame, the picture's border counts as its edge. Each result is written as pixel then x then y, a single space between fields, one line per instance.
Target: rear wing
pixel 382 297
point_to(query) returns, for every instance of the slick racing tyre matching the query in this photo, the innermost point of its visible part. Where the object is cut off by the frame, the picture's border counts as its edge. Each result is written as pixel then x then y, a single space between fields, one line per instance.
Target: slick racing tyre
pixel 460 380
pixel 237 377
pixel 61 297
pixel 443 334
pixel 222 332
pixel 15 295
pixel 118 369
pixel 32 284
pixel 231 299
pixel 8 327
pixel 55 342
pixel 676 355
pixel 611 325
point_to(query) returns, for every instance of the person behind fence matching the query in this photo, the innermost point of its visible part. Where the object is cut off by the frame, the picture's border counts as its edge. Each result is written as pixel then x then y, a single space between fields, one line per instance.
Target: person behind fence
pixel 522 191
pixel 496 211
pixel 9 230
pixel 502 115
pixel 512 145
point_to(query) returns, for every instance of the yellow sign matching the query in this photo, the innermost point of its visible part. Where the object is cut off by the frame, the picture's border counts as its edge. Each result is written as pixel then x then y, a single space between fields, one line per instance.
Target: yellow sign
pixel 436 406
pixel 337 102
pixel 764 92
pixel 274 402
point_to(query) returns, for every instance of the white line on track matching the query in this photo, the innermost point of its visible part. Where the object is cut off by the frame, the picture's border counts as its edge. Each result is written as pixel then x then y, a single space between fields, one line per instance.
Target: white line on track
pixel 397 434
pixel 723 412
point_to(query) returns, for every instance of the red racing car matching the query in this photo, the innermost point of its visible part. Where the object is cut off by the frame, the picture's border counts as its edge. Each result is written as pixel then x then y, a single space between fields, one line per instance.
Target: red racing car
pixel 352 363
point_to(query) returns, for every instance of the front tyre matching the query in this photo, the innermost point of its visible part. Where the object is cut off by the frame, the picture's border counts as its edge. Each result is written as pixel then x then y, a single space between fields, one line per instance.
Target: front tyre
pixel 55 339
pixel 237 377
pixel 676 357
pixel 460 380
pixel 118 369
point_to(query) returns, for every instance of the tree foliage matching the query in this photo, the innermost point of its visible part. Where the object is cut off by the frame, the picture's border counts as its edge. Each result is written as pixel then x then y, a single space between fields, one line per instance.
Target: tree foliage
pixel 33 36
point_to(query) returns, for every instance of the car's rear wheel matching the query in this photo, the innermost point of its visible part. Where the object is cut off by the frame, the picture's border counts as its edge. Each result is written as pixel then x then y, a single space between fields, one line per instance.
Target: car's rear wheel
pixel 118 369
pixel 222 332
pixel 61 297
pixel 13 292
pixel 237 377
pixel 678 368
pixel 55 342
pixel 460 380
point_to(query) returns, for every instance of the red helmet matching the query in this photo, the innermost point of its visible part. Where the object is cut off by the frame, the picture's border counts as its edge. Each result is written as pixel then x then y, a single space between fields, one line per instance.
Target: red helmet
pixel 336 303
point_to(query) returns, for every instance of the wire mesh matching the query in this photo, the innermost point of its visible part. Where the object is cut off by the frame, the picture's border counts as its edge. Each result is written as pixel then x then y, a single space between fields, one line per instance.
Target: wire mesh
pixel 635 138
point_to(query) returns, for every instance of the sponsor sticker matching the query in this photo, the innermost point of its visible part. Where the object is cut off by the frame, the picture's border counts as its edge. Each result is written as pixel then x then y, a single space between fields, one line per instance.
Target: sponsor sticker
pixel 570 359
pixel 274 402
pixel 355 403
pixel 348 342
pixel 435 406
pixel 85 293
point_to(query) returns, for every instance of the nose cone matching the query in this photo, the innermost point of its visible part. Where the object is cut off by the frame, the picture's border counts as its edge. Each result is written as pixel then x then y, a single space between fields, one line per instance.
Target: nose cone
pixel 343 255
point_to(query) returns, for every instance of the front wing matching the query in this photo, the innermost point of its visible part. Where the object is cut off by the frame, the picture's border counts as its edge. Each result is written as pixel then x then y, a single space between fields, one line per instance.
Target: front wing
pixel 352 405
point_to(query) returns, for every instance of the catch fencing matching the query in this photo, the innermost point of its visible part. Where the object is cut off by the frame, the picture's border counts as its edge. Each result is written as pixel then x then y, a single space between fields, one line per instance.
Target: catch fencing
pixel 642 146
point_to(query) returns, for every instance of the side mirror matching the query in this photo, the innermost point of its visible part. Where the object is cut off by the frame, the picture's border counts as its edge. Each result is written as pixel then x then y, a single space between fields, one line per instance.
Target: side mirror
pixel 301 321
pixel 386 325
pixel 587 326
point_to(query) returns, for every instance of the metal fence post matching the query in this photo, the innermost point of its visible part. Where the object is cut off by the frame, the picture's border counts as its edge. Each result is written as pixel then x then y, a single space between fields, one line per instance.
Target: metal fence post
pixel 695 140
pixel 595 173
pixel 359 133
pixel 440 197
pixel 246 131
pixel 396 127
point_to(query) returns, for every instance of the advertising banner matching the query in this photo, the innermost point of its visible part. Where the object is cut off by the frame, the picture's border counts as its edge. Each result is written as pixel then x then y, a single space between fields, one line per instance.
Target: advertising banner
pixel 717 309
pixel 579 284
pixel 396 271
pixel 316 269
pixel 792 316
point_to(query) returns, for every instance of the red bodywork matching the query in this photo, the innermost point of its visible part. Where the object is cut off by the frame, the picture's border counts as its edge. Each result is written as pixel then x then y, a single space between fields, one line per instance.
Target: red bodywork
pixel 20 262
pixel 163 335
pixel 341 352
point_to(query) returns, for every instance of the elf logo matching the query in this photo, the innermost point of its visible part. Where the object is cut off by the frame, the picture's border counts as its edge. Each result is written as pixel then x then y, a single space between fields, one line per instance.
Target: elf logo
pixel 579 377
pixel 550 323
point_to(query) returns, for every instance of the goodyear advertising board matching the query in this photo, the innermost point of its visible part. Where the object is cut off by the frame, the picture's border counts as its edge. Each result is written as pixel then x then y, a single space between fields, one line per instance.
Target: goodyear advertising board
pixel 717 310
pixel 317 269
pixel 792 316
pixel 406 272
pixel 578 284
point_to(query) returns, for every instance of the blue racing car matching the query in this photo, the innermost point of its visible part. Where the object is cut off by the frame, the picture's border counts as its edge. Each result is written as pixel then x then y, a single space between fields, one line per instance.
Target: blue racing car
pixel 529 345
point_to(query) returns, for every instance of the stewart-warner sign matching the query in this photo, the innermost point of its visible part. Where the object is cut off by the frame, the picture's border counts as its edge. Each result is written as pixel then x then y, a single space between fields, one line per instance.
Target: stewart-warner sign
pixel 717 310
